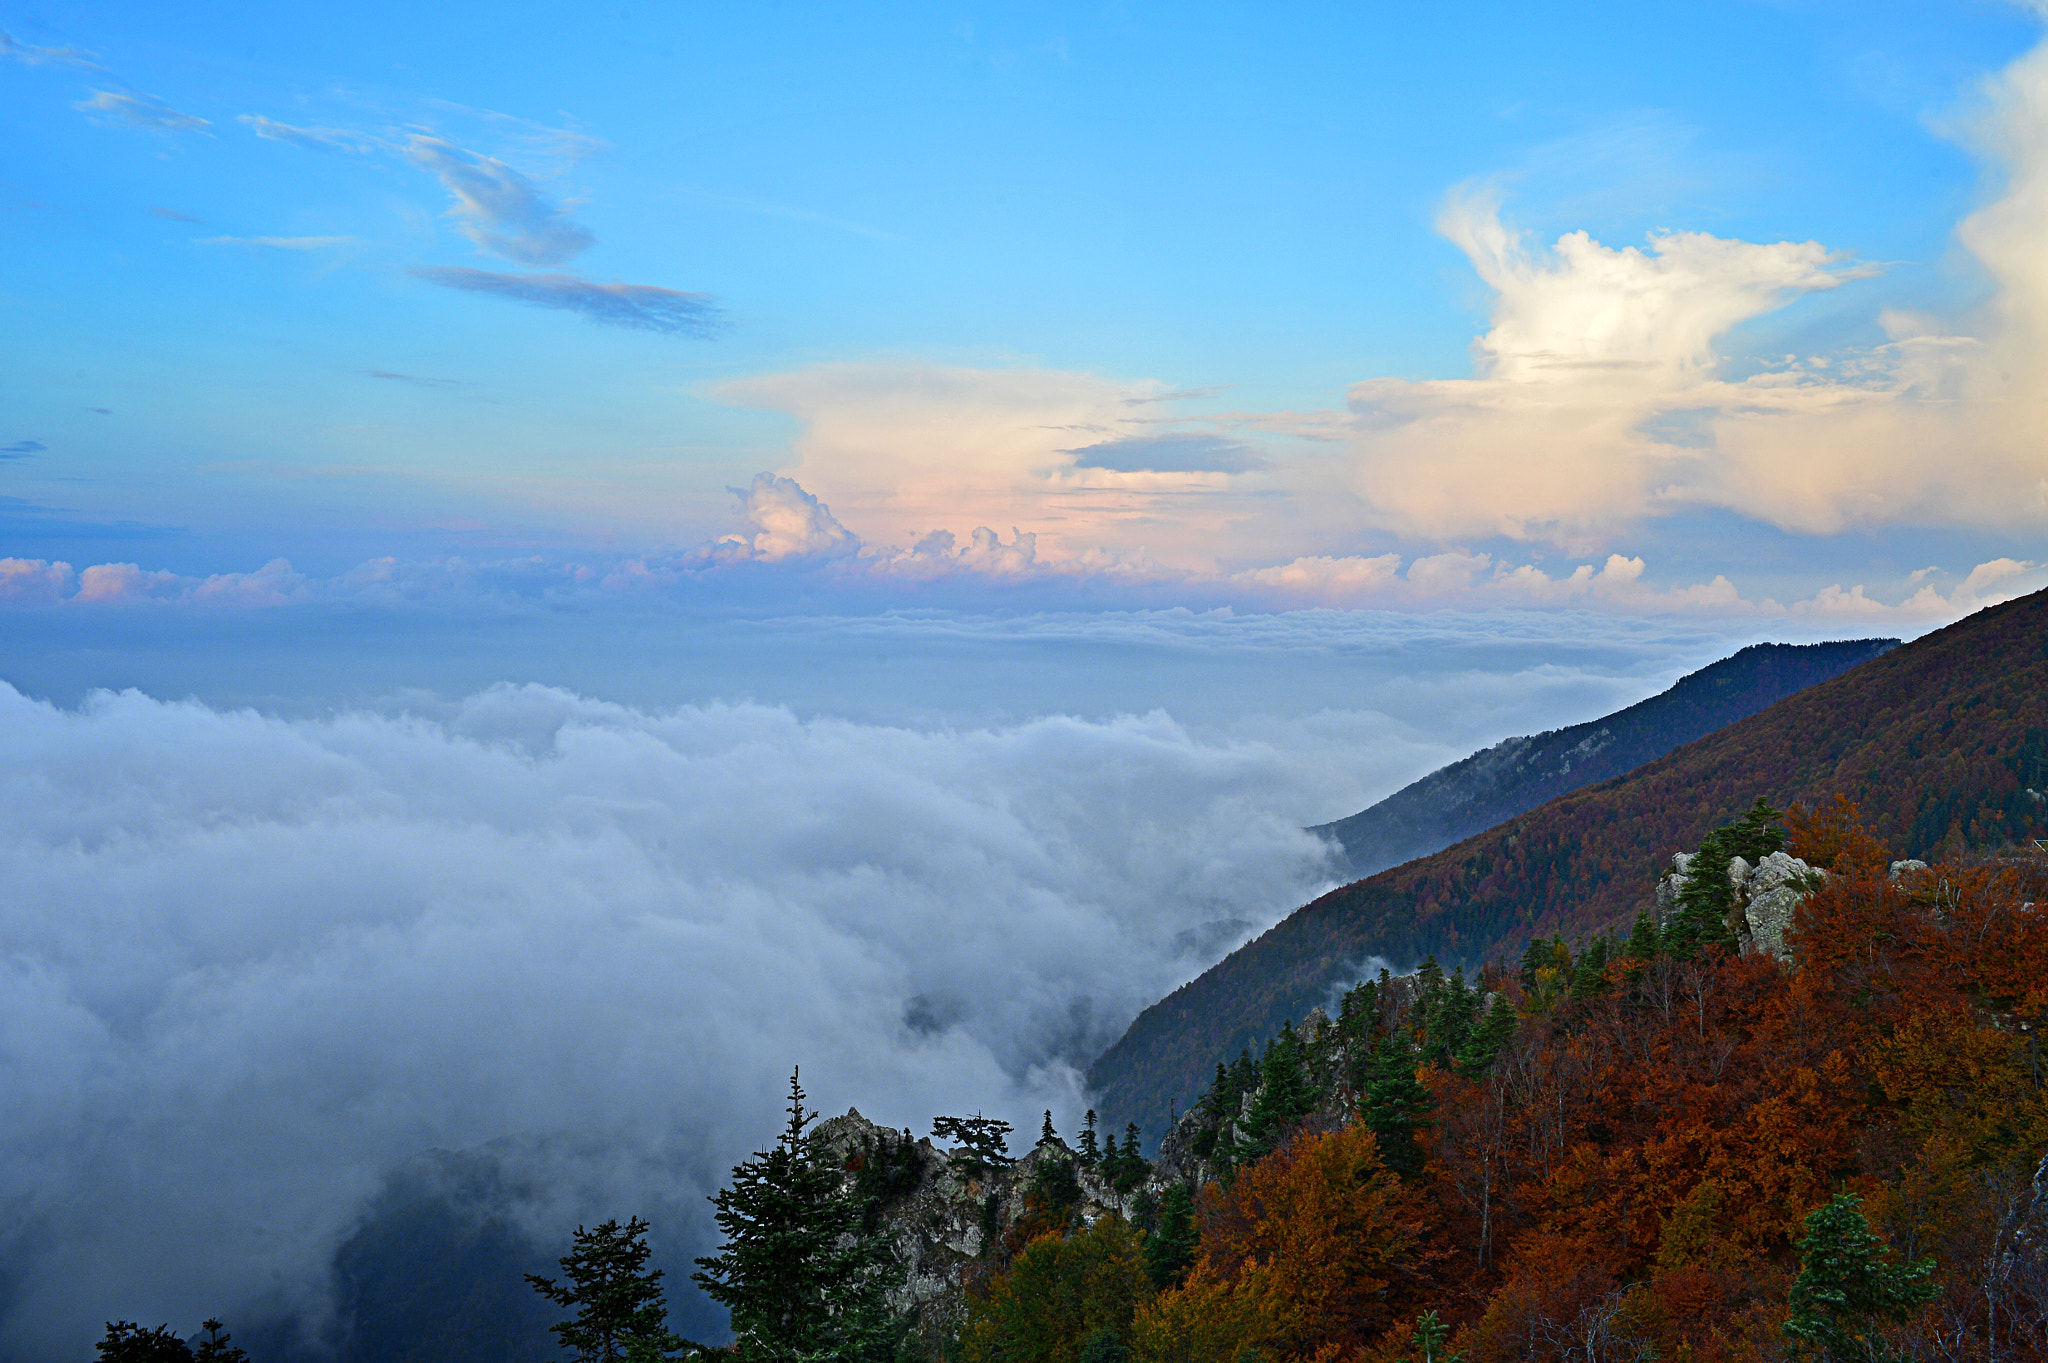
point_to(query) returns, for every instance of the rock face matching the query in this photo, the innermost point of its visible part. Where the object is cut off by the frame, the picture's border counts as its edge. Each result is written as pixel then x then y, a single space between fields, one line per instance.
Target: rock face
pixel 942 1210
pixel 1765 896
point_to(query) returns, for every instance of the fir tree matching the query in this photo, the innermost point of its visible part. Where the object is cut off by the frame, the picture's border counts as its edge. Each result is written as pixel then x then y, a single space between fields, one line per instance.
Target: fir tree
pixel 1431 1336
pixel 983 1141
pixel 1284 1097
pixel 1091 1152
pixel 216 1347
pixel 800 1279
pixel 1494 1031
pixel 1644 942
pixel 127 1342
pixel 1170 1250
pixel 1846 1288
pixel 621 1313
pixel 1046 1135
pixel 1589 978
pixel 1707 898
pixel 1394 1104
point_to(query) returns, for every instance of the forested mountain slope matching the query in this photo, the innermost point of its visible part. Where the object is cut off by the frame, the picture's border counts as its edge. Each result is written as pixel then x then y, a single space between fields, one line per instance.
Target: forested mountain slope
pixel 1943 742
pixel 1517 774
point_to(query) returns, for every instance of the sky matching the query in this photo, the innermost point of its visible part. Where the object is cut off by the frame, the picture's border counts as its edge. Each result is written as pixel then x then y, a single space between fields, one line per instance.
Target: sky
pixel 555 564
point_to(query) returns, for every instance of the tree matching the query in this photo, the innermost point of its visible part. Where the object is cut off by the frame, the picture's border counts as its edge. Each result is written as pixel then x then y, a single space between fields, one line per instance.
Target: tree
pixel 1283 1098
pixel 216 1348
pixel 797 1273
pixel 1494 1031
pixel 1170 1249
pixel 1046 1135
pixel 127 1342
pixel 621 1312
pixel 1393 1104
pixel 1058 1296
pixel 983 1141
pixel 1091 1150
pixel 1846 1287
pixel 1430 1339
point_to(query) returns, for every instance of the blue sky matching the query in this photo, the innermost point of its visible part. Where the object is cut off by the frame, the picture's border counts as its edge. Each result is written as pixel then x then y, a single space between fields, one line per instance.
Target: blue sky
pixel 330 285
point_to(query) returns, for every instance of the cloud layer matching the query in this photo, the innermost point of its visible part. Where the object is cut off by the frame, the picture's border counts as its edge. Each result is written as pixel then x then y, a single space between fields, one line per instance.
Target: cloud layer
pixel 250 965
pixel 640 306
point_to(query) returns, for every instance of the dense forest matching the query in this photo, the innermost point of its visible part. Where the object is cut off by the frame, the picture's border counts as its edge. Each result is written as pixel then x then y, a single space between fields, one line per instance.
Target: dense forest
pixel 1943 744
pixel 1653 1147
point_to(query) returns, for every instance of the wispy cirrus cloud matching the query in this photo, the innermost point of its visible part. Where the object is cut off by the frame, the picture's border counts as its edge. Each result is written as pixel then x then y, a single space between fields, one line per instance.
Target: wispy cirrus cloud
pixel 283 243
pixel 21 449
pixel 641 306
pixel 136 110
pixel 498 208
pixel 317 139
pixel 31 55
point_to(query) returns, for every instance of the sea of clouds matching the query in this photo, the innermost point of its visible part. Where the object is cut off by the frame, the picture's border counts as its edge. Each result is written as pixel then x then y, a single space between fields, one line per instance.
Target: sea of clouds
pixel 255 958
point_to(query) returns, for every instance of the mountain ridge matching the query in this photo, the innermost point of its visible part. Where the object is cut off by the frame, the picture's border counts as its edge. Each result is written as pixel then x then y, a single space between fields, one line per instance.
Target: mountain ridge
pixel 1943 741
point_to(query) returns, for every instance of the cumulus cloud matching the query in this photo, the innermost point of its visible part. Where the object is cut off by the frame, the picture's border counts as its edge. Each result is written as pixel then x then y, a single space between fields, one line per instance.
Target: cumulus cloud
pixel 498 208
pixel 137 110
pixel 641 306
pixel 251 965
pixel 787 522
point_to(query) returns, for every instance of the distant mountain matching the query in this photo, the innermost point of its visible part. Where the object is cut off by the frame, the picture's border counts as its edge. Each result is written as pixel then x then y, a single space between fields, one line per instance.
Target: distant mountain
pixel 1518 774
pixel 1943 742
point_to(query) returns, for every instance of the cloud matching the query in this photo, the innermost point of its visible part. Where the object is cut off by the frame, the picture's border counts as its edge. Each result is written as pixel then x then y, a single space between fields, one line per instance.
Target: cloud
pixel 316 139
pixel 423 380
pixel 136 110
pixel 31 55
pixel 32 581
pixel 174 215
pixel 1179 452
pixel 284 243
pixel 22 448
pixel 252 965
pixel 788 523
pixel 642 306
pixel 498 208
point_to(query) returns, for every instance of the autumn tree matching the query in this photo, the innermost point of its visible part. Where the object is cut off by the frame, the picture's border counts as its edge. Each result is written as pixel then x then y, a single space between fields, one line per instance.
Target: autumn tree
pixel 1059 1295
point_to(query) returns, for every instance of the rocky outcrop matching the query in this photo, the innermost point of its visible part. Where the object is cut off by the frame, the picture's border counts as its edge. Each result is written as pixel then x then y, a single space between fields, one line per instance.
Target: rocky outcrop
pixel 1764 897
pixel 943 1210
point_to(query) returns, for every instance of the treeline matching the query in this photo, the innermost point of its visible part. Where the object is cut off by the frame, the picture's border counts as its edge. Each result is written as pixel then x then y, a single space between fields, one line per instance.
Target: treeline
pixel 1652 1147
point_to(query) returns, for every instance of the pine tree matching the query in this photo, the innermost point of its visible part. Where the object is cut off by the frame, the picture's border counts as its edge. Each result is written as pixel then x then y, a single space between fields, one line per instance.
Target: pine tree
pixel 1394 1104
pixel 1091 1152
pixel 801 1280
pixel 1284 1097
pixel 1494 1031
pixel 621 1313
pixel 127 1342
pixel 1589 979
pixel 1170 1250
pixel 216 1347
pixel 1845 1287
pixel 1046 1135
pixel 1430 1337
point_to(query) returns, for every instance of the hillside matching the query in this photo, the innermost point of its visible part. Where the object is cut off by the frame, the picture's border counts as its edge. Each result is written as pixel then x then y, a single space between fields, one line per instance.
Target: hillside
pixel 1518 774
pixel 1943 742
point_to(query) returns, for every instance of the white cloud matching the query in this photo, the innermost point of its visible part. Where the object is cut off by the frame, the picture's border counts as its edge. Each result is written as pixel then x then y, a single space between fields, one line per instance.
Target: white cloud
pixel 788 522
pixel 248 964
pixel 138 110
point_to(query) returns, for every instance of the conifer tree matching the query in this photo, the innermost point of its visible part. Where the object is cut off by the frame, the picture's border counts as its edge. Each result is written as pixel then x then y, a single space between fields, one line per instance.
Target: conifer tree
pixel 1170 1250
pixel 1494 1031
pixel 1846 1288
pixel 1283 1099
pixel 1394 1104
pixel 127 1342
pixel 216 1347
pixel 621 1312
pixel 1091 1152
pixel 1046 1135
pixel 801 1280
pixel 1589 978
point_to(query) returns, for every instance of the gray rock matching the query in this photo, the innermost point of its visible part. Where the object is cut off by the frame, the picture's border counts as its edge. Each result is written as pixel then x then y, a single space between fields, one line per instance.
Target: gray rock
pixel 1771 892
pixel 1900 868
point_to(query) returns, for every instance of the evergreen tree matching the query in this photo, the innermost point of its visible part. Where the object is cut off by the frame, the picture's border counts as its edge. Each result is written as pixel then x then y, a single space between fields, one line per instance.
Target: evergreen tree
pixel 216 1347
pixel 800 1279
pixel 1431 1336
pixel 1105 1346
pixel 1394 1104
pixel 621 1312
pixel 1589 978
pixel 1644 944
pixel 1170 1250
pixel 1091 1152
pixel 1284 1097
pixel 127 1342
pixel 1707 898
pixel 1046 1135
pixel 1846 1288
pixel 1494 1031
pixel 984 1141
pixel 1448 1009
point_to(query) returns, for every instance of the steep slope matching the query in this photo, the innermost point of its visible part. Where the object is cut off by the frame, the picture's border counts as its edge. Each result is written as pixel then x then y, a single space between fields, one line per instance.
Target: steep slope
pixel 1944 743
pixel 1518 774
